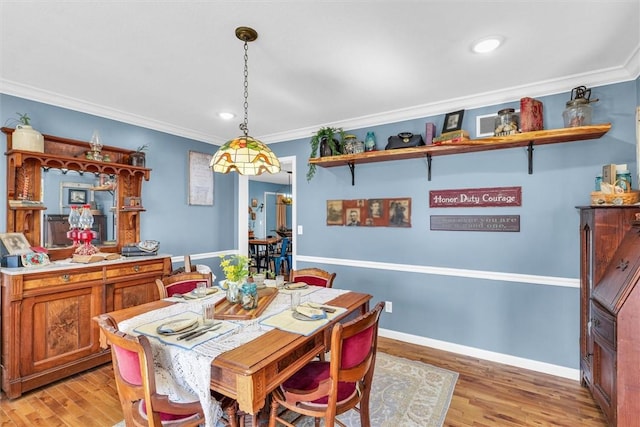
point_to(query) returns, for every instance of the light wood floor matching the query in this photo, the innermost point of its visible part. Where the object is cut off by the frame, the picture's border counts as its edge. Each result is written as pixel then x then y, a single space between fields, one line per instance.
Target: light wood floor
pixel 487 394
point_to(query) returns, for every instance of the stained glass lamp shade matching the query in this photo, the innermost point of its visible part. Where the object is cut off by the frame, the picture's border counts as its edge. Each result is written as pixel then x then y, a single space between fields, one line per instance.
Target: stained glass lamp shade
pixel 245 155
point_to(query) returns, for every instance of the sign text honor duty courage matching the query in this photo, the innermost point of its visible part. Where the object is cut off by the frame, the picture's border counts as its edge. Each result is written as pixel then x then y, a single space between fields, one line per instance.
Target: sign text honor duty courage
pixel 476 197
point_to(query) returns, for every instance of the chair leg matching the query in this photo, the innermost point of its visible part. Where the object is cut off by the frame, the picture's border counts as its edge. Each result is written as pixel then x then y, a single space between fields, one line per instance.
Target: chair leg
pixel 274 413
pixel 231 411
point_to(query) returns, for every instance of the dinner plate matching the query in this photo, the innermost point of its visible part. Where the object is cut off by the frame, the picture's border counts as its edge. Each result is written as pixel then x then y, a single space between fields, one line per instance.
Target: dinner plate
pixel 299 316
pixel 194 293
pixel 176 326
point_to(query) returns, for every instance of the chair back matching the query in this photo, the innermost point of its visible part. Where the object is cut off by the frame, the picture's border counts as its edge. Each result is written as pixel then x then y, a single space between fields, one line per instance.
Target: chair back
pixel 133 369
pixel 323 391
pixel 181 283
pixel 313 276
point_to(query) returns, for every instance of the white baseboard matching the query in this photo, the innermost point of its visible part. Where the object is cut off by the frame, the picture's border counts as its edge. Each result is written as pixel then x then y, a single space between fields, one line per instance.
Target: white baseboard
pixel 545 368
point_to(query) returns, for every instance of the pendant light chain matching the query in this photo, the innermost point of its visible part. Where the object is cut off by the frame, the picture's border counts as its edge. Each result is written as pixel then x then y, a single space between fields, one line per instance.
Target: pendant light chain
pixel 244 126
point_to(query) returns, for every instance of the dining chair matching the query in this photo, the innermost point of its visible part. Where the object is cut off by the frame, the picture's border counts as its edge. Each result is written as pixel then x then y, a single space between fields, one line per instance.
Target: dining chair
pixel 181 283
pixel 134 372
pixel 313 276
pixel 327 389
pixel 285 256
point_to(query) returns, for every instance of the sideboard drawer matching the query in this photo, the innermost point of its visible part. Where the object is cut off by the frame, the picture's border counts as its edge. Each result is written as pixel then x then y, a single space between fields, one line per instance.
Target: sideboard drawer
pixel 140 267
pixel 603 325
pixel 45 280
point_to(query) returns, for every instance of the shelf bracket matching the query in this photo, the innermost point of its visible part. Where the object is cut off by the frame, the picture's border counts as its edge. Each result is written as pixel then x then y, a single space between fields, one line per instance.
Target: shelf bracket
pixel 352 168
pixel 530 157
pixel 429 157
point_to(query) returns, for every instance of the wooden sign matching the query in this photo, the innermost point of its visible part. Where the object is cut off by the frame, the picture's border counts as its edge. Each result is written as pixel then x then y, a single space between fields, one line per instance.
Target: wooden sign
pixel 475 223
pixel 476 197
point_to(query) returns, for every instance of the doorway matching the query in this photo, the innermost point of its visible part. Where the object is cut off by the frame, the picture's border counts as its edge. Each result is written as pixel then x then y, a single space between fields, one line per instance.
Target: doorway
pixel 287 164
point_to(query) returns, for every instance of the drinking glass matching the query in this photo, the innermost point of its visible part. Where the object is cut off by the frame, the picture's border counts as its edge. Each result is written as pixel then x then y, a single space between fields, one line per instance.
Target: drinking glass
pixel 295 299
pixel 208 313
pixel 279 281
pixel 201 289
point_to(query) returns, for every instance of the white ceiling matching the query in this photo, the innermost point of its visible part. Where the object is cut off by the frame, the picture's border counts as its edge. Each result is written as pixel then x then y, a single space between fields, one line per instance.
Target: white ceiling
pixel 173 65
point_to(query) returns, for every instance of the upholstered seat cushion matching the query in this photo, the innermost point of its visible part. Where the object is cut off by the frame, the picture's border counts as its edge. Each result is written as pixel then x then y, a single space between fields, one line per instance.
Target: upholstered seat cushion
pixel 309 377
pixel 312 280
pixel 166 419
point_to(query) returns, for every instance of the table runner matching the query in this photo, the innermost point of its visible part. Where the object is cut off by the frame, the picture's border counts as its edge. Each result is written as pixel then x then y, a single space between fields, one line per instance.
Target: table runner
pixel 188 370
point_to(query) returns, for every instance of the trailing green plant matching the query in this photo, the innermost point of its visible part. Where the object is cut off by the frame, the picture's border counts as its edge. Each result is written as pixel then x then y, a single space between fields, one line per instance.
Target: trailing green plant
pixel 23 119
pixel 329 134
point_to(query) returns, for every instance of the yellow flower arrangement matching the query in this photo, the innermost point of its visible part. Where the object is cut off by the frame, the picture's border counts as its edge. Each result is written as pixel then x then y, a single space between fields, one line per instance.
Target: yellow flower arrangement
pixel 235 267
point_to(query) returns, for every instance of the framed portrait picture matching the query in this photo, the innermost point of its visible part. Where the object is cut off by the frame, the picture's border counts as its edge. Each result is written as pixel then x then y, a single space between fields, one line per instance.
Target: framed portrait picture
pixel 453 121
pixel 15 243
pixel 334 212
pixel 399 212
pixel 77 197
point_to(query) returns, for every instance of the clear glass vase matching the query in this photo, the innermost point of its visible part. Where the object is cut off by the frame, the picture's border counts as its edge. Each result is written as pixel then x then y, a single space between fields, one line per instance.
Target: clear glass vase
pixel 233 291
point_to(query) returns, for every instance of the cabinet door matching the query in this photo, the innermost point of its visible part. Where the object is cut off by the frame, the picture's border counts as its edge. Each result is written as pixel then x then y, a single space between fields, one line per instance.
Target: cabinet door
pixel 56 328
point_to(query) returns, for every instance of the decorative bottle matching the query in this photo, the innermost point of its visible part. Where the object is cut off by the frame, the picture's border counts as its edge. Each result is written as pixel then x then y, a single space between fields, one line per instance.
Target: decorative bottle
pixel 249 296
pixel 74 218
pixel 370 142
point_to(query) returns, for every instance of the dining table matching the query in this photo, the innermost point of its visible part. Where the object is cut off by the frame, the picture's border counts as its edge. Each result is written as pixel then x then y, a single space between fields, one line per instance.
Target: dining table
pixel 254 353
pixel 264 249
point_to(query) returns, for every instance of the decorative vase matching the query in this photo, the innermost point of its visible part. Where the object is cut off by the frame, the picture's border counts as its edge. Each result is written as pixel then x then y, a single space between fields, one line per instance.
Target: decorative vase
pixel 27 138
pixel 137 158
pixel 325 148
pixel 233 291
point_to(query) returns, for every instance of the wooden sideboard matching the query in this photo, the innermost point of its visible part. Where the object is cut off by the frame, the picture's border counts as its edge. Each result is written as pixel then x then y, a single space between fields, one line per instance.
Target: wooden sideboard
pixel 610 311
pixel 47 331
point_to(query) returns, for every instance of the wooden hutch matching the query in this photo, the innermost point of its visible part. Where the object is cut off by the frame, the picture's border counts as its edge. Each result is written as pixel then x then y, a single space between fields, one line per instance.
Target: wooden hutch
pixel 610 310
pixel 47 331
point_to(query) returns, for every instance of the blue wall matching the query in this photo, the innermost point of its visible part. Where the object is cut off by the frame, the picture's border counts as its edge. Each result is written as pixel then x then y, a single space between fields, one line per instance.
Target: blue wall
pixel 433 293
pixel 509 293
pixel 181 228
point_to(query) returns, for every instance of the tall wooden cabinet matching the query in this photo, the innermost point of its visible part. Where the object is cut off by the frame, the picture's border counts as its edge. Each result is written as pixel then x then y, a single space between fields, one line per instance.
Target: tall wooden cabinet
pixel 609 311
pixel 46 320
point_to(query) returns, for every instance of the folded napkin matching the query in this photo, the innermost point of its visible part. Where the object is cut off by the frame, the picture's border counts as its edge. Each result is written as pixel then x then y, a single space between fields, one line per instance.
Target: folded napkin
pixel 312 313
pixel 176 325
pixel 193 293
pixel 296 285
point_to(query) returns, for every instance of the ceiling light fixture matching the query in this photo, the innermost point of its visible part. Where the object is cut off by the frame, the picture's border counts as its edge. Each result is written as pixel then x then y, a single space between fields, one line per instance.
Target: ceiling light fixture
pixel 226 116
pixel 487 44
pixel 244 154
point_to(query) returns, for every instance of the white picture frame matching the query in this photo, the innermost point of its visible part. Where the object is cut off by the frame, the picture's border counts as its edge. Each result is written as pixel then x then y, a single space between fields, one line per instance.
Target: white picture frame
pixel 201 181
pixel 15 243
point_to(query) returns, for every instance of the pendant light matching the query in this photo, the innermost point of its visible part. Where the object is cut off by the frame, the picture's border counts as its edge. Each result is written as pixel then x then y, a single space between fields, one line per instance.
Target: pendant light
pixel 244 154
pixel 288 198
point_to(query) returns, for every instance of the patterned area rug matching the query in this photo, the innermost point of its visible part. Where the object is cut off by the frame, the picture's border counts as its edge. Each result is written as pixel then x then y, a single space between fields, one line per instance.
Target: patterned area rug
pixel 405 393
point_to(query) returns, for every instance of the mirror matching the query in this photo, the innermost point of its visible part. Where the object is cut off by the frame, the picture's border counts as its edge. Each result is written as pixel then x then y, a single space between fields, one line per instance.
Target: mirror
pixel 63 188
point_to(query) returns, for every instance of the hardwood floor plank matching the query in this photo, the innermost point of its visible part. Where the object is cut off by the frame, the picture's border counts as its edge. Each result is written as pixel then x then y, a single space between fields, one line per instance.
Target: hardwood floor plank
pixel 487 395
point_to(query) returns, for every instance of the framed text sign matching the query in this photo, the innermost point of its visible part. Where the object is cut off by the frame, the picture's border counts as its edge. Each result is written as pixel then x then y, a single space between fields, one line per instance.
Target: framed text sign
pixel 476 197
pixel 475 223
pixel 200 179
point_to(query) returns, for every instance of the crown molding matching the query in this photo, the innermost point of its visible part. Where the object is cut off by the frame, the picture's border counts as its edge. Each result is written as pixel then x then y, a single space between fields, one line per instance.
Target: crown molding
pixel 629 71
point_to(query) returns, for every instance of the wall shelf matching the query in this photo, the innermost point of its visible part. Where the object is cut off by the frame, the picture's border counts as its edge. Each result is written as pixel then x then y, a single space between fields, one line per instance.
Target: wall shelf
pixel 527 139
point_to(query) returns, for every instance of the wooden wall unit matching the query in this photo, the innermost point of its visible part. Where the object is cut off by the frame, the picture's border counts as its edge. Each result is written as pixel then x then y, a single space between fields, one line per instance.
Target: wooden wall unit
pixel 610 310
pixel 47 327
pixel 47 331
pixel 64 153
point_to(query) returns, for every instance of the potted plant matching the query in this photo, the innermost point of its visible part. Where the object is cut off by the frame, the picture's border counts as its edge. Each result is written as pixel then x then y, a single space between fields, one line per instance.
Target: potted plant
pixel 236 271
pixel 324 142
pixel 137 158
pixel 25 137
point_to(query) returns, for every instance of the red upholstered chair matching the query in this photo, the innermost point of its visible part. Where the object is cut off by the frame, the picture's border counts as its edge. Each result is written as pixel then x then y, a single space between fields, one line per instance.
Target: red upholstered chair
pixel 135 379
pixel 181 283
pixel 326 389
pixel 313 276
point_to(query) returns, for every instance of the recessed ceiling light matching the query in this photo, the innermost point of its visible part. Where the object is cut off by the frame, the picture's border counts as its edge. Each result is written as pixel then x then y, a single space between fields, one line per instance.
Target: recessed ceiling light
pixel 487 44
pixel 226 116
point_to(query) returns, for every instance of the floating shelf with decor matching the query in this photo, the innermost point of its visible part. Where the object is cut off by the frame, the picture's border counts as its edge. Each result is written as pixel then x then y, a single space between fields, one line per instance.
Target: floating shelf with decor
pixel 526 139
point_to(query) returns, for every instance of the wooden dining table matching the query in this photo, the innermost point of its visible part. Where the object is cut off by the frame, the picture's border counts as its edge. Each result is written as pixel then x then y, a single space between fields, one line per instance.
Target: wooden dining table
pixel 248 373
pixel 266 246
